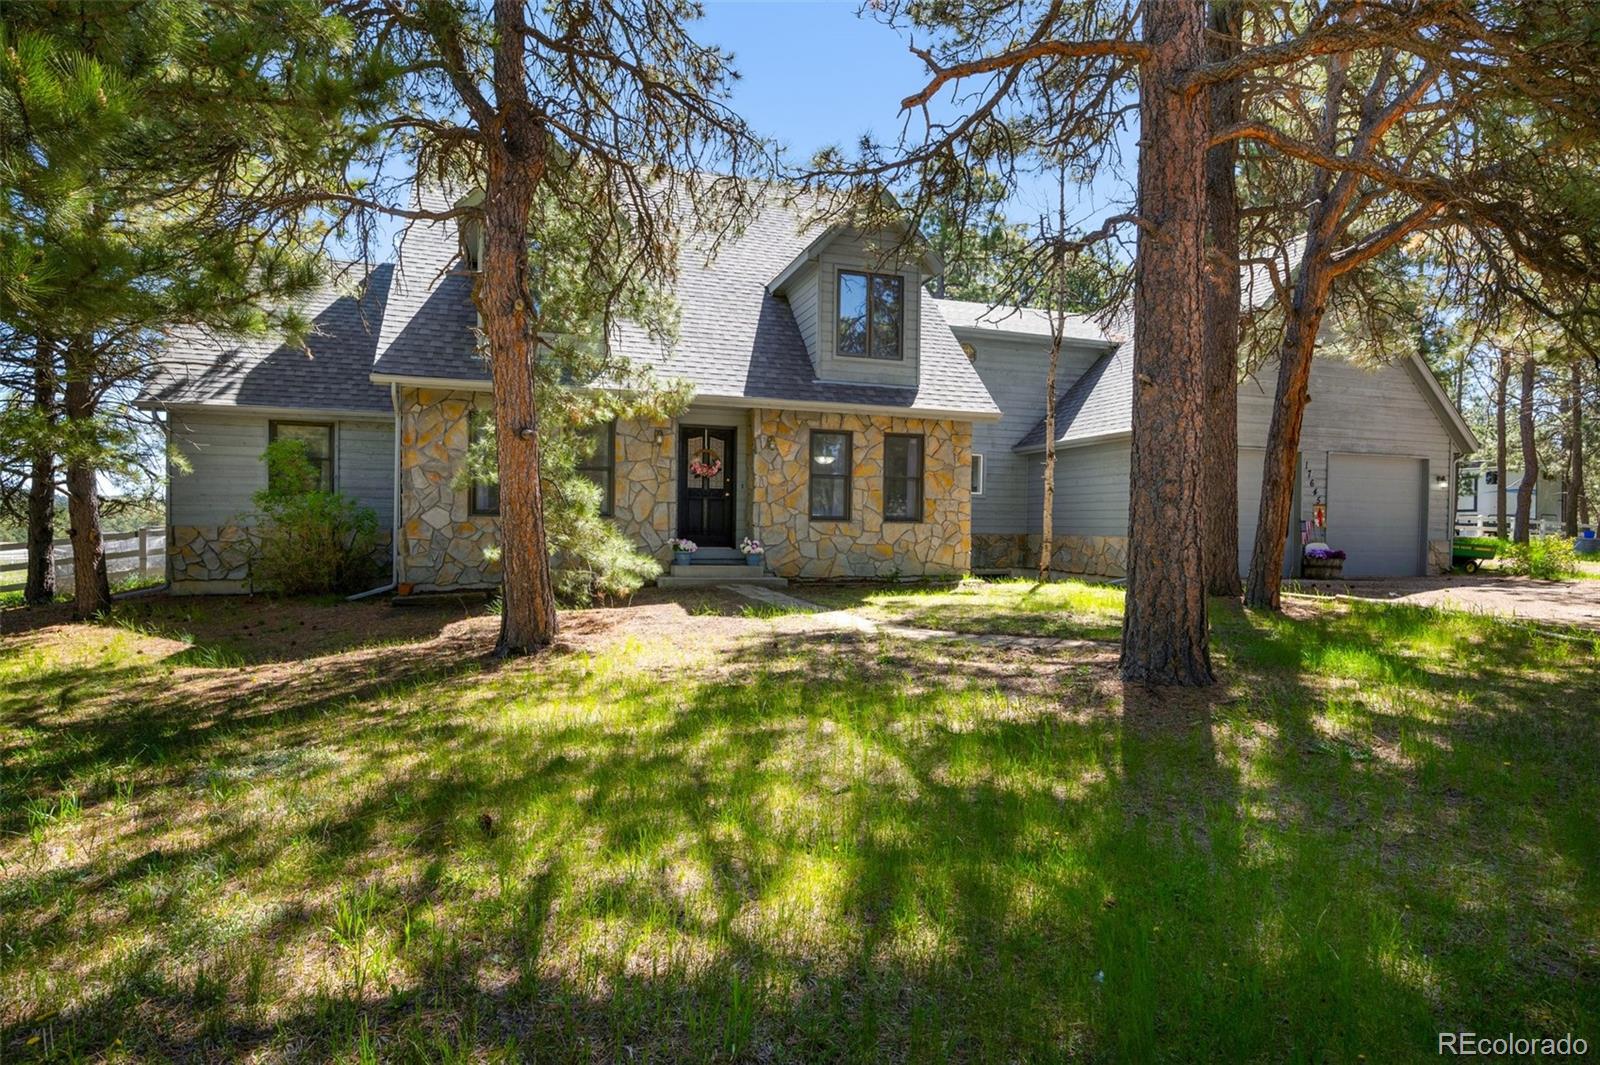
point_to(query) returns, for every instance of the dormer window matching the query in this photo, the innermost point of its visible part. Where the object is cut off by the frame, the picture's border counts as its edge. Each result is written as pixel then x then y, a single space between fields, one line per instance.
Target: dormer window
pixel 871 311
pixel 472 245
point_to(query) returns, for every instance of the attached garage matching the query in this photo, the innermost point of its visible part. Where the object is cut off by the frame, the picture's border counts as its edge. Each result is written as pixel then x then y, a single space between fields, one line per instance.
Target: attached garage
pixel 1376 449
pixel 1377 513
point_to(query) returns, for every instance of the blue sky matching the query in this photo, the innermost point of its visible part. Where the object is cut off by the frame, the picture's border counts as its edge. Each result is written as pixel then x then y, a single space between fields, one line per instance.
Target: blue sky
pixel 814 74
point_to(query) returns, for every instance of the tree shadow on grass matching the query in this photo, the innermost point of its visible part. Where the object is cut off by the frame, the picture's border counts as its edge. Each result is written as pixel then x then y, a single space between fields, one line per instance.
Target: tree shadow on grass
pixel 842 848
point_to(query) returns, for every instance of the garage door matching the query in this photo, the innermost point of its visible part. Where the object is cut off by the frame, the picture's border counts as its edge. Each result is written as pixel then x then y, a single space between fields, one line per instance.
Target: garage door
pixel 1375 513
pixel 1252 460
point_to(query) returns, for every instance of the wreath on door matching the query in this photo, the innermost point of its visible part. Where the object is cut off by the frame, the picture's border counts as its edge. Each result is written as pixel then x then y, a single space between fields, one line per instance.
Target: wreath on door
pixel 705 464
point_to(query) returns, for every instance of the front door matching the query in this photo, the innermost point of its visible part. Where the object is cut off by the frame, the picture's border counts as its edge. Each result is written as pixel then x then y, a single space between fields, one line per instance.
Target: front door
pixel 705 485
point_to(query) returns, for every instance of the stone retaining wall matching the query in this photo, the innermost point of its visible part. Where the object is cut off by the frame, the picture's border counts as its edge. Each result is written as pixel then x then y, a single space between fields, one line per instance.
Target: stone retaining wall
pixel 865 545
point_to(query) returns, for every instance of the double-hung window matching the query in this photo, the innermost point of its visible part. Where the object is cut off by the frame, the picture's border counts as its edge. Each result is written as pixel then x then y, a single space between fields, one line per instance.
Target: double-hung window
pixel 597 460
pixel 485 498
pixel 902 477
pixel 871 313
pixel 318 440
pixel 830 475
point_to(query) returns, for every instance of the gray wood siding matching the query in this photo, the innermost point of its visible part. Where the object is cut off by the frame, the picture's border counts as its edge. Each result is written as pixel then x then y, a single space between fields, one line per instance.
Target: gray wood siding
pixel 857 253
pixel 1013 370
pixel 1356 411
pixel 1353 411
pixel 803 305
pixel 1091 490
pixel 366 466
pixel 224 454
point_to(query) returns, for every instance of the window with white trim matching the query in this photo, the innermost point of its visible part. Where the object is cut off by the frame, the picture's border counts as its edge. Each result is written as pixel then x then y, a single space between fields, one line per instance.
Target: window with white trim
pixel 977 474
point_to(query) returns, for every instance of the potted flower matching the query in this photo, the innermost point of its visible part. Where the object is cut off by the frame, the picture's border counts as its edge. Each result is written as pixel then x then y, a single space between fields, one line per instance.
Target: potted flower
pixel 1321 563
pixel 752 551
pixel 682 550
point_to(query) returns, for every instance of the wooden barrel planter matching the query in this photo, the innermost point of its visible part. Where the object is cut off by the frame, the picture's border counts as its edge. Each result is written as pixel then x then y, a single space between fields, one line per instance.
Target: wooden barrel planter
pixel 1321 569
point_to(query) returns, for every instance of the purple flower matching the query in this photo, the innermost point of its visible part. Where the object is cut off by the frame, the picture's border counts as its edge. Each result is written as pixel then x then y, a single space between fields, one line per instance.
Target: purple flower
pixel 1324 554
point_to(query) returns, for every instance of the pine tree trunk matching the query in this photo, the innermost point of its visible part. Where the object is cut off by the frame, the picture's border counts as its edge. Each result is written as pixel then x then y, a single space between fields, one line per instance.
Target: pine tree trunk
pixel 1500 382
pixel 1575 450
pixel 515 164
pixel 1221 491
pixel 1164 632
pixel 1308 304
pixel 91 586
pixel 1047 519
pixel 1280 469
pixel 41 583
pixel 1530 452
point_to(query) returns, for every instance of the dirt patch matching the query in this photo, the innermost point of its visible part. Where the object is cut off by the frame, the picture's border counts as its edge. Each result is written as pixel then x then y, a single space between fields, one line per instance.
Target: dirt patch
pixel 670 622
pixel 1559 602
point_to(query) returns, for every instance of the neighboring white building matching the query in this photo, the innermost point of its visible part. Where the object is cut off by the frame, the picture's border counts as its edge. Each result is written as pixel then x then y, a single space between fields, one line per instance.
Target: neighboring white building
pixel 1476 509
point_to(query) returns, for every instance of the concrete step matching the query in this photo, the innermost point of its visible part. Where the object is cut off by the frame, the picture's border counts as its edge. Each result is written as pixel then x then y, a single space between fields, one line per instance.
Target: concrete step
pixel 715 555
pixel 721 570
pixel 698 579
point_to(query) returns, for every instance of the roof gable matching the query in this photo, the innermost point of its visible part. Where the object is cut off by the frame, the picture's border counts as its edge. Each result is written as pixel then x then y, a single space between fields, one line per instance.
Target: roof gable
pixel 927 259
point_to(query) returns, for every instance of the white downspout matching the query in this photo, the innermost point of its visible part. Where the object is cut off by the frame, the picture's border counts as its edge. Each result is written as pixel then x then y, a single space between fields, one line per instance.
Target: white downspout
pixel 394 506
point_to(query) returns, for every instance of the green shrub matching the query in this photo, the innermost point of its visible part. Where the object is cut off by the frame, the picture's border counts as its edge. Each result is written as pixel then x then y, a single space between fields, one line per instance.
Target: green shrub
pixel 1546 558
pixel 590 558
pixel 310 540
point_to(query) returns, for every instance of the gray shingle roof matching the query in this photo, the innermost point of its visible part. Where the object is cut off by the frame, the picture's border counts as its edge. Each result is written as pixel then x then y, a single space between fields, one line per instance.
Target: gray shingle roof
pixel 332 372
pixel 1100 403
pixel 737 340
pixel 734 340
pixel 429 329
pixel 1029 321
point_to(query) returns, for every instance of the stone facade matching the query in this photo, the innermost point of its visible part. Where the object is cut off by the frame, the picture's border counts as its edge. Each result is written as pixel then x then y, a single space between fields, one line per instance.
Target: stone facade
pixel 441 541
pixel 211 553
pixel 865 545
pixel 646 477
pixel 1440 557
pixel 1004 551
pixel 1096 556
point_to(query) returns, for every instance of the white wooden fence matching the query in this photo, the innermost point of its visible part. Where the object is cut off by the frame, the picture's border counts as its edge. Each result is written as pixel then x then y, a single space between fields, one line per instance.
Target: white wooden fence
pixel 140 554
pixel 1484 525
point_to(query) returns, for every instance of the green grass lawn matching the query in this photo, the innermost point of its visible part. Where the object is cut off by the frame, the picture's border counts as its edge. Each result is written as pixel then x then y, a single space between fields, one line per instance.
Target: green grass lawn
pixel 237 830
pixel 1068 609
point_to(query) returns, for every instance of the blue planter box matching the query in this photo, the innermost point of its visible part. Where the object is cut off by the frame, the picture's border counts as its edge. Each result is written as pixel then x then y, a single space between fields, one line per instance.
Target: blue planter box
pixel 752 560
pixel 682 558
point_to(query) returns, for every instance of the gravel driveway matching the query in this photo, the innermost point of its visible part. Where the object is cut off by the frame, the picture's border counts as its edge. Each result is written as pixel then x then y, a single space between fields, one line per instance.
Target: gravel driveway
pixel 1574 602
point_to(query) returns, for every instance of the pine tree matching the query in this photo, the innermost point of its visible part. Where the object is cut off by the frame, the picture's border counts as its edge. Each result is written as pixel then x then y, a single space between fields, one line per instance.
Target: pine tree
pixel 135 138
pixel 605 121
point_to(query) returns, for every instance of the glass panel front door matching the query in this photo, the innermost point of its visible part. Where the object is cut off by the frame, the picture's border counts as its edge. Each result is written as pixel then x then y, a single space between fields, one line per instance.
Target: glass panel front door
pixel 706 479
